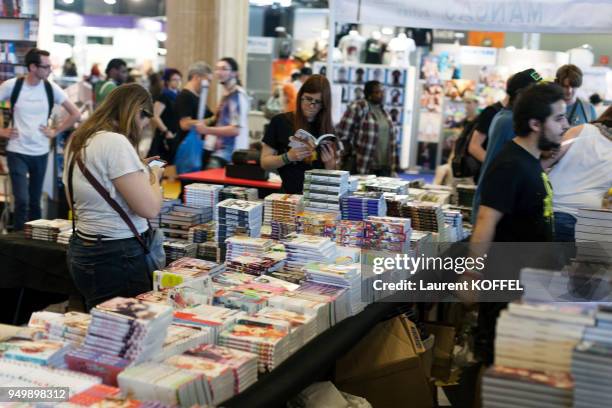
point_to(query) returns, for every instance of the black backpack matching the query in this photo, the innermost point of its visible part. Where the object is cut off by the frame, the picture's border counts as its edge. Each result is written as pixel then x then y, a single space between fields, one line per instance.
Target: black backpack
pixel 17 90
pixel 464 164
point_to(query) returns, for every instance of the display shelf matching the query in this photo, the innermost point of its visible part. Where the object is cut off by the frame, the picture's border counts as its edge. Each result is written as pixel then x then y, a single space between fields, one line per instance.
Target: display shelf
pixel 19 18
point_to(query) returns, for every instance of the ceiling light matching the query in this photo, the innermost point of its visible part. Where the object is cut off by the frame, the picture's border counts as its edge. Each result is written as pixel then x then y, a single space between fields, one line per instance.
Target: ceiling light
pixel 68 1
pixel 110 2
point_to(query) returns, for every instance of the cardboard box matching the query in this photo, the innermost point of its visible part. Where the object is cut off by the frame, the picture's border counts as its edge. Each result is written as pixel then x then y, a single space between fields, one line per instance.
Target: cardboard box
pixel 385 369
pixel 444 345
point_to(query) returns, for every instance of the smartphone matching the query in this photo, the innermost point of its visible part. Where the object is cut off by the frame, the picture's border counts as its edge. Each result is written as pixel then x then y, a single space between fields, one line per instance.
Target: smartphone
pixel 158 163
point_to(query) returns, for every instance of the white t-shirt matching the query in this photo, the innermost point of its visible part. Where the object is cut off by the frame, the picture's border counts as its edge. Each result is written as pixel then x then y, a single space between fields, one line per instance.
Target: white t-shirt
pixel 400 48
pixel 30 112
pixel 581 178
pixel 107 156
pixel 351 47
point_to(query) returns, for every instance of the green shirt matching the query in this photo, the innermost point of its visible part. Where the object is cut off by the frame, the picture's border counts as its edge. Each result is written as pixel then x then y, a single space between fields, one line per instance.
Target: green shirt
pixel 103 88
pixel 383 155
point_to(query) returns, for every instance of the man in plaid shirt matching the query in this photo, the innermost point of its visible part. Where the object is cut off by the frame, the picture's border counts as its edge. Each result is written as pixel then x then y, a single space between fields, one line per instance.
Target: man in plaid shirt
pixel 368 134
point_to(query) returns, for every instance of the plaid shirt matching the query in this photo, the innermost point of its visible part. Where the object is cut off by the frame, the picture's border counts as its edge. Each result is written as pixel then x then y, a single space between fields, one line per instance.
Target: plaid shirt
pixel 358 130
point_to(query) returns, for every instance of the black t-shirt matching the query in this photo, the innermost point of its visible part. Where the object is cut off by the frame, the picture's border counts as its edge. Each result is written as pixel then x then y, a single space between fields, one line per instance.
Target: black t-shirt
pixel 485 118
pixel 187 107
pixel 279 130
pixel 168 116
pixel 516 185
pixel 374 50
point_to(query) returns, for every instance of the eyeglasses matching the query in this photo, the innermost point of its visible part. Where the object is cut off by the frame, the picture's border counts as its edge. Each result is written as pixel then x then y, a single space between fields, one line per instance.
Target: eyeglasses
pixel 223 69
pixel 145 114
pixel 43 66
pixel 312 101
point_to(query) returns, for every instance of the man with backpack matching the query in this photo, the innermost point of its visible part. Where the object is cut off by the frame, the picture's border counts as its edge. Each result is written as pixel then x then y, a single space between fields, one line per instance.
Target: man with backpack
pixel 579 112
pixel 32 99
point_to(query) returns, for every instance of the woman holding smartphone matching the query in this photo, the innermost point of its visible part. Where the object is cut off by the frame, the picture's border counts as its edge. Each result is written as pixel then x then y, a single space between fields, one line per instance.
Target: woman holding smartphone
pixel 313 114
pixel 105 257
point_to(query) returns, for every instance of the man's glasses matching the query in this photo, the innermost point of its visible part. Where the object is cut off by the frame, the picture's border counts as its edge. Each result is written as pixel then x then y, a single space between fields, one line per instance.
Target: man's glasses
pixel 312 101
pixel 43 66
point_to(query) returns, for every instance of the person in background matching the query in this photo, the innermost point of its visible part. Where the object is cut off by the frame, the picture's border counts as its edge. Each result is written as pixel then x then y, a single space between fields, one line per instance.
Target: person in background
pixel 368 134
pixel 116 74
pixel 187 102
pixel 232 121
pixel 517 197
pixel 105 258
pixel 597 104
pixel 478 142
pixel 69 69
pixel 290 96
pixel 164 117
pixel 28 140
pixel 569 77
pixel 444 173
pixel 156 84
pixel 313 114
pixel 95 75
pixel 582 173
pixel 305 73
pixel 502 130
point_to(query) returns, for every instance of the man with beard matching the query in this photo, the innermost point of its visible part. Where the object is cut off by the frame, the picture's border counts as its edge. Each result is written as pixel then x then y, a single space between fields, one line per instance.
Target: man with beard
pixel 501 130
pixel 516 203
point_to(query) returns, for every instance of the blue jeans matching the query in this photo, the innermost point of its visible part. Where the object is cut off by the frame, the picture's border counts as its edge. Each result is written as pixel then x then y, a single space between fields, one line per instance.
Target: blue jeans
pixel 102 270
pixel 26 190
pixel 565 227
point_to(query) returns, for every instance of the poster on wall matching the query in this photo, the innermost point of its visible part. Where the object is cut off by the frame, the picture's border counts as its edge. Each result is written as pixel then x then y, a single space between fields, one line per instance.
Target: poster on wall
pixel 454 113
pixel 430 124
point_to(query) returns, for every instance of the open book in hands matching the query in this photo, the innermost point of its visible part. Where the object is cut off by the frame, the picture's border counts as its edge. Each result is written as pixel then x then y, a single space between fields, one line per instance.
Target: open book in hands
pixel 303 138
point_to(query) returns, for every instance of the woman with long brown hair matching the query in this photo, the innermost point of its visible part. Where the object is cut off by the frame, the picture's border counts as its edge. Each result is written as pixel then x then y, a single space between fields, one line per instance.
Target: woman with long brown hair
pixel 312 114
pixel 106 257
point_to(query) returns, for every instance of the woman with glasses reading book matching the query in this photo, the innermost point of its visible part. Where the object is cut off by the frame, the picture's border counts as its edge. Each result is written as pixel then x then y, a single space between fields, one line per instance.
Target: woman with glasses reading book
pixel 302 140
pixel 112 192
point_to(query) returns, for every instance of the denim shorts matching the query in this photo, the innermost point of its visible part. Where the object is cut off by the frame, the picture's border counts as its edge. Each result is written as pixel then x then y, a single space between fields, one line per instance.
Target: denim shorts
pixel 102 270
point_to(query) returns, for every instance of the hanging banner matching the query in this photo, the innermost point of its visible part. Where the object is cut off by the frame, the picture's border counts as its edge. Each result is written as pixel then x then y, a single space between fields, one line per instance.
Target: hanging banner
pixel 536 16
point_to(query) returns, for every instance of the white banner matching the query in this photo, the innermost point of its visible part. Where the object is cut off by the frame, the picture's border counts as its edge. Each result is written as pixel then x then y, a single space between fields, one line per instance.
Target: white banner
pixel 537 16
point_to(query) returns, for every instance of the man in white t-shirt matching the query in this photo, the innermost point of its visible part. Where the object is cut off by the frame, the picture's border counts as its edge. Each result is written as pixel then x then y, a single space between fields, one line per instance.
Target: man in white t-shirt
pixel 30 135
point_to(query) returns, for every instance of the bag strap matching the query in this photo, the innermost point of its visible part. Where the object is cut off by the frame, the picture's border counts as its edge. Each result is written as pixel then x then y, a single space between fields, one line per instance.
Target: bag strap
pixel 571 115
pixel 114 204
pixel 15 96
pixel 50 99
pixel 587 112
pixel 71 195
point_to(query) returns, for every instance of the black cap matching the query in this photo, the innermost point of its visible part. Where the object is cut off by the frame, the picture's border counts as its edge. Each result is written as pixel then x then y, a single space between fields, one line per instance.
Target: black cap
pixel 522 80
pixel 305 71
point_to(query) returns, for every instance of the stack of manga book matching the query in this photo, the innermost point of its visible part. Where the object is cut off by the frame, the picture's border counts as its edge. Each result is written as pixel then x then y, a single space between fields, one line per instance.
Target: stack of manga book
pixel 359 205
pixel 122 331
pixel 323 189
pixel 238 217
